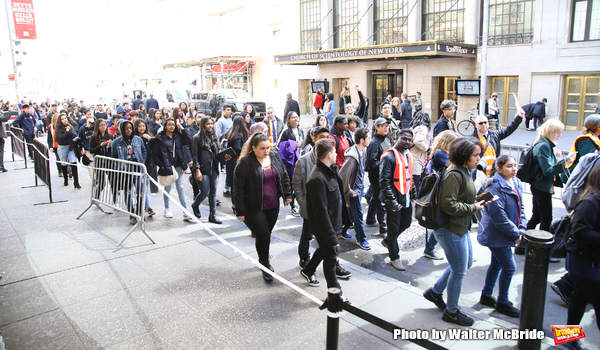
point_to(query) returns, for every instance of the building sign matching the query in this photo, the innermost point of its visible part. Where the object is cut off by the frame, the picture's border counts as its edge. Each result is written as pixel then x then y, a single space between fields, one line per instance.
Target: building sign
pixel 24 19
pixel 423 48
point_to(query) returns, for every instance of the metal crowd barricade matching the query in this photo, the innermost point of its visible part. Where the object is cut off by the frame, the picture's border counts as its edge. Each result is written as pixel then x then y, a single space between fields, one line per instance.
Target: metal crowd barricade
pixel 41 166
pixel 18 144
pixel 120 185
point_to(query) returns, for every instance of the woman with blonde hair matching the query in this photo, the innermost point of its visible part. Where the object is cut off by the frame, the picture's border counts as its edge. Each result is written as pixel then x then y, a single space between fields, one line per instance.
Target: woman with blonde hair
pixel 546 167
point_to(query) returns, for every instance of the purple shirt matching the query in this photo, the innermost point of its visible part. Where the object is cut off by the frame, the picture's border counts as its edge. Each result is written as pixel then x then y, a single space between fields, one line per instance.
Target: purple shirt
pixel 270 189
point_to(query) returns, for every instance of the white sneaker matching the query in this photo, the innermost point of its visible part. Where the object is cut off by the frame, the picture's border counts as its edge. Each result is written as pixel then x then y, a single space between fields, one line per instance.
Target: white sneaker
pixel 186 218
pixel 168 213
pixel 397 264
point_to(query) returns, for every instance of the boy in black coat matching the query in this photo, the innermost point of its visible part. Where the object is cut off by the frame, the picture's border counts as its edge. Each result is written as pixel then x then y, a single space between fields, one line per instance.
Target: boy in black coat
pixel 325 205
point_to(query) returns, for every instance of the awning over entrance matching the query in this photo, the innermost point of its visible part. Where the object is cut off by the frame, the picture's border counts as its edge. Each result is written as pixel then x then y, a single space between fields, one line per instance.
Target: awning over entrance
pixel 432 48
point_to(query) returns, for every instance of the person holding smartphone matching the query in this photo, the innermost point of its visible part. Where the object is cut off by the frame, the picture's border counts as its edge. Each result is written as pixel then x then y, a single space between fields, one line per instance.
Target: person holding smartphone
pixel 502 224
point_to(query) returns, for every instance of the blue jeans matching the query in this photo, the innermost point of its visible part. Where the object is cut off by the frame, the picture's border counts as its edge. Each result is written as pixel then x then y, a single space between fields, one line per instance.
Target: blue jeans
pixel 459 252
pixel 208 188
pixel 356 215
pixel 431 243
pixel 535 121
pixel 305 238
pixel 502 260
pixel 179 187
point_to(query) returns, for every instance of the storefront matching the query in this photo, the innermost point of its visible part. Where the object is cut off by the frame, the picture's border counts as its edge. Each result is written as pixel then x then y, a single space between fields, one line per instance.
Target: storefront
pixel 430 67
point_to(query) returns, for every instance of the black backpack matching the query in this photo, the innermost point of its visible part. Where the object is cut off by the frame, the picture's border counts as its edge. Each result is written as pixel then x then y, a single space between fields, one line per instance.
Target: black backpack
pixel 428 207
pixel 528 166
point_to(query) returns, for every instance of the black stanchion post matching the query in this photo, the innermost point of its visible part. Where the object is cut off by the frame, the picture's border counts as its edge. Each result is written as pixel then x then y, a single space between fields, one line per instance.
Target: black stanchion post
pixel 334 306
pixel 535 276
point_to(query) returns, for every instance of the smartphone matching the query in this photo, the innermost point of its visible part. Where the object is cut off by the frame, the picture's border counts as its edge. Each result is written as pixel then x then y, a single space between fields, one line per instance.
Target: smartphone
pixel 488 196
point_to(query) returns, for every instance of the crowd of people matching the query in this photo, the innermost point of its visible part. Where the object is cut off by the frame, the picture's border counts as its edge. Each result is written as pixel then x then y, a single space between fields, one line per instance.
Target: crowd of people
pixel 324 171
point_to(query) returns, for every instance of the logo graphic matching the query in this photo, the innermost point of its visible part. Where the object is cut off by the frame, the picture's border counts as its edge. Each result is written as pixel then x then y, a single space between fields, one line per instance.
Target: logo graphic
pixel 565 334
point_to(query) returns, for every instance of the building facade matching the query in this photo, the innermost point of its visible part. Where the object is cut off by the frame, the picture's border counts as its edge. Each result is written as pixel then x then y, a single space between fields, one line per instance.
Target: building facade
pixel 536 49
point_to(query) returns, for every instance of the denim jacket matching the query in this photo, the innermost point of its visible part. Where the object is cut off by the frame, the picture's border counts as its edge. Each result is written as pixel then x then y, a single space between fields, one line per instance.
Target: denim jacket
pixel 119 149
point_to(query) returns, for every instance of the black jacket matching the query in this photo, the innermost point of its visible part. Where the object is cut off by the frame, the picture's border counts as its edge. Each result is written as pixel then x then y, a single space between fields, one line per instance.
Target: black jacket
pixel 537 109
pixel 291 105
pixel 407 114
pixel 495 136
pixel 442 124
pixel 388 193
pixel 248 179
pixel 325 204
pixel 374 152
pixel 162 155
pixel 204 158
pixel 585 244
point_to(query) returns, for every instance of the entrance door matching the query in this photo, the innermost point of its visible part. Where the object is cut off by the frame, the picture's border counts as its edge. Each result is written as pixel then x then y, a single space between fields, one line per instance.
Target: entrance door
pixel 384 83
pixel 504 87
pixel 446 91
pixel 581 93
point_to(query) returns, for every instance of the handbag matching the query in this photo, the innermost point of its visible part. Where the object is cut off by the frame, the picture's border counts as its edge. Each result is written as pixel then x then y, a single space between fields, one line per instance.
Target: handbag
pixel 168 180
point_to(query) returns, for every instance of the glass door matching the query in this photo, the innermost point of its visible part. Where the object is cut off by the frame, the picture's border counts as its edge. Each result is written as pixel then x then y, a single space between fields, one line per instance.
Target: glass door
pixel 308 99
pixel 381 84
pixel 504 87
pixel 581 93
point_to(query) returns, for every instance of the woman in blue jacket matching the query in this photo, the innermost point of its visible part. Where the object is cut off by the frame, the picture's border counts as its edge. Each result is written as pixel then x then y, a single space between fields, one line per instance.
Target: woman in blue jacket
pixel 500 229
pixel 131 148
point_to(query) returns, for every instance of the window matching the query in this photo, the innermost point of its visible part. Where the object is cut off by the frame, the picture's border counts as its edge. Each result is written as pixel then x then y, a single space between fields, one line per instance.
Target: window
pixel 310 19
pixel 444 20
pixel 391 21
pixel 586 20
pixel 346 26
pixel 511 22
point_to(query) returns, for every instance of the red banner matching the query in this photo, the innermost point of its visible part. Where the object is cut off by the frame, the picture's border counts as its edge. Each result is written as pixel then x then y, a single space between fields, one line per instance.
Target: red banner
pixel 24 19
pixel 11 77
pixel 237 67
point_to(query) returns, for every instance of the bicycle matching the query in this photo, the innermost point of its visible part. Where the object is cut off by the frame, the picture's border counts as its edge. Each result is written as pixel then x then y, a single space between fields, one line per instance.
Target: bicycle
pixel 467 127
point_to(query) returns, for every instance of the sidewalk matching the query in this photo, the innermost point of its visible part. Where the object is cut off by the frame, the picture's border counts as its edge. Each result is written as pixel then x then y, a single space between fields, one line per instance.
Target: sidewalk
pixel 66 285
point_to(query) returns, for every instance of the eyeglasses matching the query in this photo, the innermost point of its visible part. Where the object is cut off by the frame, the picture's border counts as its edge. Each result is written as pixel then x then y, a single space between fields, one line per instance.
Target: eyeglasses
pixel 482 123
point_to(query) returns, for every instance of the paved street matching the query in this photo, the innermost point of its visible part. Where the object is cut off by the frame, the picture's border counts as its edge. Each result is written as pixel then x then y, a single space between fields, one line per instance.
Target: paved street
pixel 66 285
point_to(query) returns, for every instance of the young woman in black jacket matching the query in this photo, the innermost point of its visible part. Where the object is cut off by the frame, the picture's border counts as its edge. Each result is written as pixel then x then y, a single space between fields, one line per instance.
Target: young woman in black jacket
pixel 65 136
pixel 235 139
pixel 140 128
pixel 167 153
pixel 260 179
pixel 100 145
pixel 205 145
pixel 583 255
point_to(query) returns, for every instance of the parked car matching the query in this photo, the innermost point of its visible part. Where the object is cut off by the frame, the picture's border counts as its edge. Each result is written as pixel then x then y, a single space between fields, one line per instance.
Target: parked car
pixel 236 98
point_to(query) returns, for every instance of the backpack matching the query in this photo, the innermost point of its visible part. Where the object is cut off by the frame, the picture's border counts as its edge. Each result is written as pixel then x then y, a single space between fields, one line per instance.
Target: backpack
pixel 561 229
pixel 576 184
pixel 528 166
pixel 428 207
pixel 427 170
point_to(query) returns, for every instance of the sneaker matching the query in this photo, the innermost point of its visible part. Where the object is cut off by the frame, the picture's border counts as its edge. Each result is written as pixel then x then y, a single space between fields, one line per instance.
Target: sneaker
pixel 435 298
pixel 575 345
pixel 227 193
pixel 563 293
pixel 434 255
pixel 372 224
pixel 397 264
pixel 487 301
pixel 311 279
pixel 508 309
pixel 150 212
pixel 346 235
pixel 186 218
pixel 364 244
pixel 341 273
pixel 553 259
pixel 132 220
pixel 458 318
pixel 168 213
pixel 295 212
pixel 3 169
